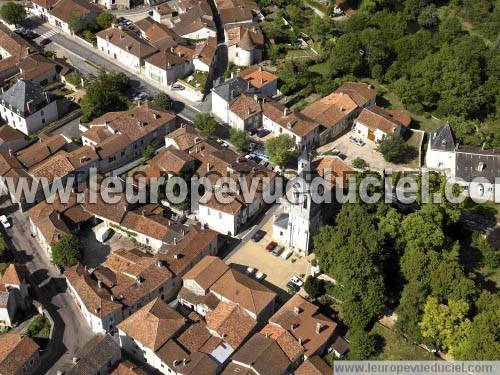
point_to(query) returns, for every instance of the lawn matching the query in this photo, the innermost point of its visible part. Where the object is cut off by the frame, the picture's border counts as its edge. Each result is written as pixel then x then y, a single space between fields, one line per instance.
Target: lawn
pixel 321 68
pixel 415 140
pixel 396 348
pixel 293 54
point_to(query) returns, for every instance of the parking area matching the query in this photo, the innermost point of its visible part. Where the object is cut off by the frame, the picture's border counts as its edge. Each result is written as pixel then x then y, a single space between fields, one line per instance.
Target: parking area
pixel 276 269
pixel 368 152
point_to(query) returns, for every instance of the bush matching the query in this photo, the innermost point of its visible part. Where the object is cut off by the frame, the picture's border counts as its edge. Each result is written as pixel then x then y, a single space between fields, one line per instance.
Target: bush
pixel 359 163
pixel 314 287
pixel 39 328
pixel 74 79
pixel 163 100
pixel 148 153
pixel 206 123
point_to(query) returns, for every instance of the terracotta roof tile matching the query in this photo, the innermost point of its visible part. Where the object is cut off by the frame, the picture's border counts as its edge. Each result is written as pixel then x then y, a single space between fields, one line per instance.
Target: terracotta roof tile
pixel 231 323
pixel 15 351
pixel 258 77
pixel 377 118
pixel 128 41
pixel 66 9
pixel 331 110
pixel 295 122
pixel 361 93
pixel 153 325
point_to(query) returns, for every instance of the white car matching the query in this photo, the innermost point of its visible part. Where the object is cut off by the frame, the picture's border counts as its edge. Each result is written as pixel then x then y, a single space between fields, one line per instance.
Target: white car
pixel 5 222
pixel 259 276
pixel 250 270
pixel 286 254
pixel 297 281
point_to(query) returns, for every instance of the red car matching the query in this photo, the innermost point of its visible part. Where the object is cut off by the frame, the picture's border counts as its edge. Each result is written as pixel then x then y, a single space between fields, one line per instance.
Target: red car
pixel 271 246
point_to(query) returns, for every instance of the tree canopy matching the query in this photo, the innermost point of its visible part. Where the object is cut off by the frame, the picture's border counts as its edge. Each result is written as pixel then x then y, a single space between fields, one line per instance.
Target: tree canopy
pixel 104 94
pixel 395 149
pixel 66 252
pixel 280 149
pixel 163 100
pixel 13 13
pixel 238 138
pixel 205 122
pixel 105 20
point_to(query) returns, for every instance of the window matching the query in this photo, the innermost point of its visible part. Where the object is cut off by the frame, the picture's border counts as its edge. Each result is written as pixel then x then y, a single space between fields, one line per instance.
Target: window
pixel 208 211
pixel 220 215
pixel 43 121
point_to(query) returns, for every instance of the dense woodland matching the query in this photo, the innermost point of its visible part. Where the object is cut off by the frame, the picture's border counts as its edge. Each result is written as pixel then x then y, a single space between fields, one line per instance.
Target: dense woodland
pixel 439 57
pixel 424 265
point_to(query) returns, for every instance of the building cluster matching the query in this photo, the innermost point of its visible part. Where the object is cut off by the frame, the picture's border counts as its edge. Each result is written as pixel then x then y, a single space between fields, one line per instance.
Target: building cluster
pixel 222 321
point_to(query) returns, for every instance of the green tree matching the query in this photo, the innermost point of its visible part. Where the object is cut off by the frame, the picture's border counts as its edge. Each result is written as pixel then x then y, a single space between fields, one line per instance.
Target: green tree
pixel 206 123
pixel 353 255
pixel 280 149
pixel 3 246
pixel 395 149
pixel 104 94
pixel 346 57
pixel 482 341
pixel 13 13
pixel 163 100
pixel 446 325
pixel 363 345
pixel 105 20
pixel 75 24
pixel 238 138
pixel 314 287
pixel 66 252
pixel 149 153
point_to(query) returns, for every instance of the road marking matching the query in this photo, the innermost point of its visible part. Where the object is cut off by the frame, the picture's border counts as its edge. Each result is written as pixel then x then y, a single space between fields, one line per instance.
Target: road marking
pixel 49 34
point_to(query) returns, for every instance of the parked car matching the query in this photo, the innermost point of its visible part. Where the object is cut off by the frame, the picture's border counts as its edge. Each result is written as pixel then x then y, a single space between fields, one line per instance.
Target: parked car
pixel 335 151
pixel 271 246
pixel 295 283
pixel 262 133
pixel 252 131
pixel 45 41
pixel 257 236
pixel 177 86
pixel 250 271
pixel 286 254
pixel 225 144
pixel 356 141
pixel 256 159
pixel 264 163
pixel 251 146
pixel 5 221
pixel 342 156
pixel 276 252
pixel 259 276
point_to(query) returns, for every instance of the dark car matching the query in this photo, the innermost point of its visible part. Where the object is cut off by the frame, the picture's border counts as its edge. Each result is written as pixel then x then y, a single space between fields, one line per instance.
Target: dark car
pixel 271 246
pixel 252 131
pixel 262 133
pixel 257 236
pixel 45 41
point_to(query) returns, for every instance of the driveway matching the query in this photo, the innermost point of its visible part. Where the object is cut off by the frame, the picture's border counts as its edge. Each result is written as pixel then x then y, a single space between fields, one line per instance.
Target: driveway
pixel 277 270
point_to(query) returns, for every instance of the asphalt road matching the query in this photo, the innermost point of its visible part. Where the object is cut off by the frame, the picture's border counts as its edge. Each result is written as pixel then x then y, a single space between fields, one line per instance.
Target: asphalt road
pixel 90 61
pixel 71 331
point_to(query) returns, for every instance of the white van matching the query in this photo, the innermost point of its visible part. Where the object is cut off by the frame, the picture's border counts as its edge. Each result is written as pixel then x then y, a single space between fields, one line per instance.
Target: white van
pixel 286 254
pixel 102 234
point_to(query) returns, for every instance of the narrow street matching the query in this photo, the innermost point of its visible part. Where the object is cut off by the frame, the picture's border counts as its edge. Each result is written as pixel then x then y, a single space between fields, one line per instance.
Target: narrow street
pixel 71 332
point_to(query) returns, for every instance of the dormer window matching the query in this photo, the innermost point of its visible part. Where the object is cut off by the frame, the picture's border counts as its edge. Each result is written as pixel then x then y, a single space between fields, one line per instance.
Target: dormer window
pixel 444 142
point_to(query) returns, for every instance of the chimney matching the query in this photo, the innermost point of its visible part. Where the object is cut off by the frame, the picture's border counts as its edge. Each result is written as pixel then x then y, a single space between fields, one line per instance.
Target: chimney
pixel 208 167
pixel 58 215
pixel 75 360
pixel 184 361
pixel 159 263
pixel 285 112
pixel 318 328
pixel 47 99
pixel 260 68
pixel 172 49
pixel 99 283
pixel 112 297
pixel 179 53
pixel 292 327
pixel 175 363
pixel 10 152
pixel 296 310
pixel 300 340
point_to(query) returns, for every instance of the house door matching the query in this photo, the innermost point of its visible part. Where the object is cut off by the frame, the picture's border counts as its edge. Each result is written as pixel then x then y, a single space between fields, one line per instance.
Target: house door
pixel 371 135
